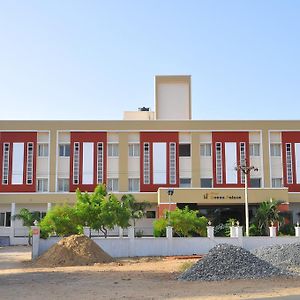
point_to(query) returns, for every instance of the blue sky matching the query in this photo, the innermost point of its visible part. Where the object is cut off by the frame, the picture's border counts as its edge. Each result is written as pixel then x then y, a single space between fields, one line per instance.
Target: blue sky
pixel 95 59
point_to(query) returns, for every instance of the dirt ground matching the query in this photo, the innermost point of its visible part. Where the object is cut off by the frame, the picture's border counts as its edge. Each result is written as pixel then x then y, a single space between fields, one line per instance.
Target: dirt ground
pixel 146 278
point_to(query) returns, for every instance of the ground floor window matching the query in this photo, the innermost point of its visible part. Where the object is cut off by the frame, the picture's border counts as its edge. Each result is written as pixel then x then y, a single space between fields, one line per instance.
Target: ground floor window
pixel 206 182
pixel 185 182
pixel 5 219
pixel 255 182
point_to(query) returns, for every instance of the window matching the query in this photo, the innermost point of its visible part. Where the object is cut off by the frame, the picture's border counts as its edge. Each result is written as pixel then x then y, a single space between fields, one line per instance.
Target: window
pixel 184 150
pixel 254 149
pixel 42 185
pixel 134 150
pixel 255 182
pixel 275 149
pixel 185 182
pixel 146 163
pixel 172 167
pixel 205 149
pixel 112 184
pixel 112 150
pixel 219 170
pixel 63 184
pixel 289 164
pixel 42 150
pixel 64 150
pixel 151 214
pixel 242 160
pixel 276 182
pixel 76 163
pixel 5 163
pixel 29 169
pixel 133 185
pixel 5 219
pixel 100 163
pixel 206 182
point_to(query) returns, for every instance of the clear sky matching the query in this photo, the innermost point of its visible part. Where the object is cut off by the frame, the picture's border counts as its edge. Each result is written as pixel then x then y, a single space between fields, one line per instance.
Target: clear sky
pixel 94 59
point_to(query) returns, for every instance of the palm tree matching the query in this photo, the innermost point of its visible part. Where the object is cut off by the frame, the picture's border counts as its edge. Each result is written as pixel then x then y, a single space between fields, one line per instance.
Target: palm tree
pixel 138 209
pixel 28 219
pixel 267 212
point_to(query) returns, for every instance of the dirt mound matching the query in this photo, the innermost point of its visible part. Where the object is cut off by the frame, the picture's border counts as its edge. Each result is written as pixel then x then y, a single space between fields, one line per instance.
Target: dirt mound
pixel 75 250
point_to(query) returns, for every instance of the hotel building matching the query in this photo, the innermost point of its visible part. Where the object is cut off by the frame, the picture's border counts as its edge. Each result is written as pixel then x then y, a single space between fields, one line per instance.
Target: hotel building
pixel 42 163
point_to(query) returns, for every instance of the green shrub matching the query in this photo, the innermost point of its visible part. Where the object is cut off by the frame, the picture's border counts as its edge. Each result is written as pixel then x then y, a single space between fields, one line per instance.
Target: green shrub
pixel 287 229
pixel 159 227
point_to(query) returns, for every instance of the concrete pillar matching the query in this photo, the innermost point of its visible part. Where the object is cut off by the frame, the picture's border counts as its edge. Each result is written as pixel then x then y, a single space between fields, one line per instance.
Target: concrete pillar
pixel 131 232
pixel 239 231
pixel 272 231
pixel 297 231
pixel 121 232
pixel 123 161
pixel 53 157
pixel 169 232
pixel 86 231
pixel 49 206
pixel 210 232
pixel 35 241
pixel 12 222
pixel 232 231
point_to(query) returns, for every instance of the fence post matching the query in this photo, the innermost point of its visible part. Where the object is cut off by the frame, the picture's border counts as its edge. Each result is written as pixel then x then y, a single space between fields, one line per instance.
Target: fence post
pixel 210 231
pixel 86 231
pixel 35 241
pixel 131 232
pixel 232 231
pixel 297 230
pixel 239 231
pixel 169 232
pixel 121 232
pixel 272 231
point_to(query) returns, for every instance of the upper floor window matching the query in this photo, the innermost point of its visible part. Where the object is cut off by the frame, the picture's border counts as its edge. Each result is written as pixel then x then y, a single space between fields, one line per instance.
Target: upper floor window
pixel 42 185
pixel 276 182
pixel 255 182
pixel 42 150
pixel 254 149
pixel 134 150
pixel 133 184
pixel 275 149
pixel 112 185
pixel 205 149
pixel 206 182
pixel 113 150
pixel 64 150
pixel 185 182
pixel 184 150
pixel 63 185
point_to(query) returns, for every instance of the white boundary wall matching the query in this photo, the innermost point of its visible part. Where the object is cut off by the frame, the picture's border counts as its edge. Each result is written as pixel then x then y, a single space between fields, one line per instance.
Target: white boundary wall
pixel 148 246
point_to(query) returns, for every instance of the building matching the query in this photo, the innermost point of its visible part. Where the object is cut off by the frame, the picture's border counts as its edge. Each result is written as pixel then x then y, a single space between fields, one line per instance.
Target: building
pixel 42 163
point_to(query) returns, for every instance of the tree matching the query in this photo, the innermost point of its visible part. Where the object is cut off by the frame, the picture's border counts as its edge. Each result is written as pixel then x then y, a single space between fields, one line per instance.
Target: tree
pixel 267 212
pixel 137 209
pixel 101 211
pixel 62 220
pixel 185 222
pixel 28 219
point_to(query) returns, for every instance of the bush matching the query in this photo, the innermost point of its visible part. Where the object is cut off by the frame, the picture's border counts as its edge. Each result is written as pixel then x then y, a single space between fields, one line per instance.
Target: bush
pixel 286 229
pixel 60 220
pixel 159 227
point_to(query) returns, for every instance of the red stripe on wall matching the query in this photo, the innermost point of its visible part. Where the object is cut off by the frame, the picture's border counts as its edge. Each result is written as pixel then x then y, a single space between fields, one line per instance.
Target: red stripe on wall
pixel 18 137
pixel 158 137
pixel 228 137
pixel 290 137
pixel 87 137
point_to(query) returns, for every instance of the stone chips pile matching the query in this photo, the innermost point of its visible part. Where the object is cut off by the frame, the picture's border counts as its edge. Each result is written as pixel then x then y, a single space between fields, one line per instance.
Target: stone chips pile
pixel 283 256
pixel 225 262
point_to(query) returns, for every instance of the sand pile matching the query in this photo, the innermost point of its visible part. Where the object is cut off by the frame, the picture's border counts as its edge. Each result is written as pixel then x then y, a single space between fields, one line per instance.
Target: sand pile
pixel 75 250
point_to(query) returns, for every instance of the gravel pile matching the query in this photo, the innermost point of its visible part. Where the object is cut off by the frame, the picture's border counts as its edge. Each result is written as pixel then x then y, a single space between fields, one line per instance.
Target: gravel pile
pixel 225 262
pixel 283 256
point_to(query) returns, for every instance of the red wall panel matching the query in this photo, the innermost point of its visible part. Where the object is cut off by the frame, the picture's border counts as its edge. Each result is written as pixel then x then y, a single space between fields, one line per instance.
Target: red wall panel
pixel 87 137
pixel 223 137
pixel 157 137
pixel 18 137
pixel 291 137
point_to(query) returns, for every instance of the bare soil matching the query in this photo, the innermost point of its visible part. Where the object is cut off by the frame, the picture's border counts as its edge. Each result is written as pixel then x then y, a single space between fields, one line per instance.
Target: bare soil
pixel 144 278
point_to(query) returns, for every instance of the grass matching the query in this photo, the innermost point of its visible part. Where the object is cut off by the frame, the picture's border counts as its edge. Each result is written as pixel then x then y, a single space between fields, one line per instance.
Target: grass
pixel 186 265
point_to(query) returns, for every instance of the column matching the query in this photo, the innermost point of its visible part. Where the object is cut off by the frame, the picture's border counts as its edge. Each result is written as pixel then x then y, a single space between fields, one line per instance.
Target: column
pixel 195 159
pixel 49 206
pixel 123 162
pixel 53 158
pixel 266 161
